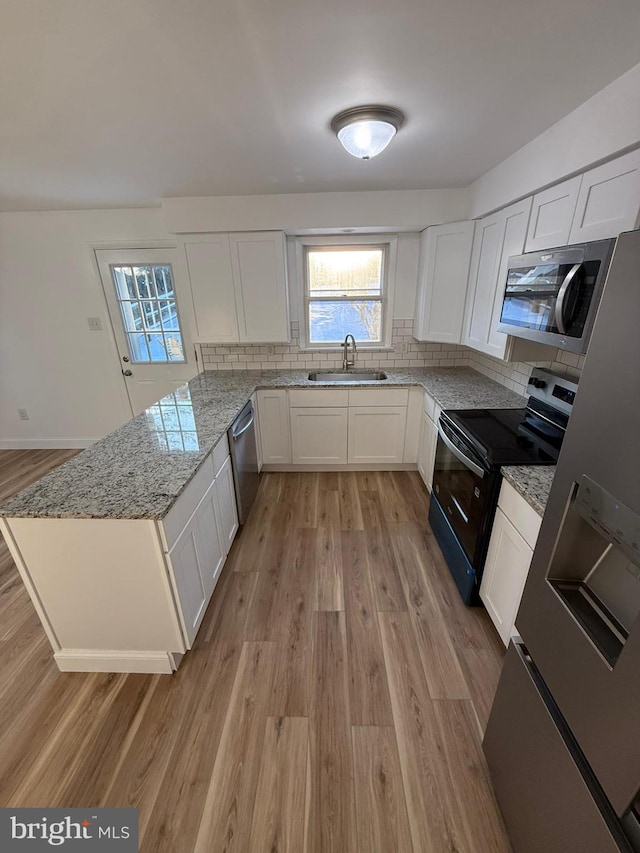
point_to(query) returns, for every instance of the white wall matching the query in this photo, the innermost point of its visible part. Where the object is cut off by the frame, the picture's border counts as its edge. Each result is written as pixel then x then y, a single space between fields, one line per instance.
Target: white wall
pixel 66 376
pixel 408 210
pixel 605 125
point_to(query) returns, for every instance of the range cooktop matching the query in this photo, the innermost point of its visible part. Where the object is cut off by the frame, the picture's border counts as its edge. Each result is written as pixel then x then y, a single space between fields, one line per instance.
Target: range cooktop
pixel 509 436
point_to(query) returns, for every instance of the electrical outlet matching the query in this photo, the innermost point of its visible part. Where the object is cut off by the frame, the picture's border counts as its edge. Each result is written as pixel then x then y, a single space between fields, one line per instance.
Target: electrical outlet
pixel 23 414
pixel 95 324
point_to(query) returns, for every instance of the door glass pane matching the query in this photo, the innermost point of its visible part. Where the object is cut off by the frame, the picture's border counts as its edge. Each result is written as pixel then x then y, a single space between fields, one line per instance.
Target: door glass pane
pixel 136 289
pixel 138 348
pixel 169 315
pixel 174 348
pixel 144 280
pixel 329 322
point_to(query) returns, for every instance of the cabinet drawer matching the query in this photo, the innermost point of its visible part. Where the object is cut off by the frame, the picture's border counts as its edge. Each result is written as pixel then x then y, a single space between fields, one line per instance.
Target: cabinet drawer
pixel 220 453
pixel 523 516
pixel 321 397
pixel 379 397
pixel 176 519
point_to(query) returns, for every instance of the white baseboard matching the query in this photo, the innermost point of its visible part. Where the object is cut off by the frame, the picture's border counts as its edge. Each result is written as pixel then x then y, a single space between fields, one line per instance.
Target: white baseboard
pixel 46 443
pixel 94 660
pixel 353 466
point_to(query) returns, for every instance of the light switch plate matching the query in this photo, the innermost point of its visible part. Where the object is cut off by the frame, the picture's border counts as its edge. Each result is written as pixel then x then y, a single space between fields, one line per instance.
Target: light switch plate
pixel 95 324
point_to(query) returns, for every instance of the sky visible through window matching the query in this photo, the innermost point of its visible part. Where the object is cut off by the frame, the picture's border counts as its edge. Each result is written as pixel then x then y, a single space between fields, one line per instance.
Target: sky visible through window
pixel 344 292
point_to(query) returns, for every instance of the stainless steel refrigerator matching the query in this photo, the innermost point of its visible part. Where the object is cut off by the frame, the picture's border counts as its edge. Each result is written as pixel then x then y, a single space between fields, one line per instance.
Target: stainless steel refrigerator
pixel 563 738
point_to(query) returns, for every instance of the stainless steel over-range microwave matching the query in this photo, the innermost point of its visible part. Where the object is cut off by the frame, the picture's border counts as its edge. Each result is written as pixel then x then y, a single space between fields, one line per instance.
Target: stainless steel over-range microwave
pixel 552 296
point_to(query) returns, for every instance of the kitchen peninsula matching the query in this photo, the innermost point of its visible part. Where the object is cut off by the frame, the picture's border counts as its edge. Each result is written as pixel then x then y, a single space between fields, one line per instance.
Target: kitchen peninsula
pixel 121 547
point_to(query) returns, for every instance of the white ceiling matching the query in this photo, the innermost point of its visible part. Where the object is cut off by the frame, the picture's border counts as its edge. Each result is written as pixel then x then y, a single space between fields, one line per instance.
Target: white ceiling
pixel 109 103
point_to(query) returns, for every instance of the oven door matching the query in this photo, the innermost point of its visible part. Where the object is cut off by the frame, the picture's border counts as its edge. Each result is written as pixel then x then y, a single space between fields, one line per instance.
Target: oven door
pixel 464 487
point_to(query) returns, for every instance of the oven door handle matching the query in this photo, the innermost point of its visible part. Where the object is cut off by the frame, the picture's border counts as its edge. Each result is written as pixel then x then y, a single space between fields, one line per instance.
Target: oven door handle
pixel 473 466
pixel 562 295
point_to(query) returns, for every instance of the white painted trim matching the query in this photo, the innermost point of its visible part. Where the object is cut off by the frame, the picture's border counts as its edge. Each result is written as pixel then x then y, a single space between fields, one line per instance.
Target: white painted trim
pixel 353 466
pixel 94 660
pixel 47 443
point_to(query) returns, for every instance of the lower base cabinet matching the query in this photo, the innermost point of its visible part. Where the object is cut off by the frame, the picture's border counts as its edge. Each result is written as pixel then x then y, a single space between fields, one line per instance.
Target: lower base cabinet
pixel 128 595
pixel 427 449
pixel 319 435
pixel 376 433
pixel 508 559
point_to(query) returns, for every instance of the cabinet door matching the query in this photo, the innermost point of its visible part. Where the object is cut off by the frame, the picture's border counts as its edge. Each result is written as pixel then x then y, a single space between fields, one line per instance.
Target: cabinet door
pixel 487 241
pixel 256 414
pixel 319 436
pixel 186 560
pixel 609 200
pixel 445 253
pixel 552 215
pixel 226 505
pixel 212 553
pixel 430 441
pixel 261 286
pixel 505 573
pixel 275 441
pixel 376 434
pixel 212 289
pixel 515 220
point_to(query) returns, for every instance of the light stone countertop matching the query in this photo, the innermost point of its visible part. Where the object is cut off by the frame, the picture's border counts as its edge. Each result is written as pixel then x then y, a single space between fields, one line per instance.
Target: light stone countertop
pixel 139 470
pixel 533 482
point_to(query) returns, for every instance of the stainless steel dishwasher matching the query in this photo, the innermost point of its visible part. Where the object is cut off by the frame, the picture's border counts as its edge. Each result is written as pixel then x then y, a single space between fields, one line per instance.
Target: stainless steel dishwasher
pixel 244 460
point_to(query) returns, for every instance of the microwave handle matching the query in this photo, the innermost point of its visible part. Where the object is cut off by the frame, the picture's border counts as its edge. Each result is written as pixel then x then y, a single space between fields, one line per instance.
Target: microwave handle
pixel 477 470
pixel 562 293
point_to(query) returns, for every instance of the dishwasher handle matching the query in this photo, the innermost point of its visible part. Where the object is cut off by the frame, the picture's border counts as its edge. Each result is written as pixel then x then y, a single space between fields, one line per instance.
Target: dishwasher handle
pixel 236 435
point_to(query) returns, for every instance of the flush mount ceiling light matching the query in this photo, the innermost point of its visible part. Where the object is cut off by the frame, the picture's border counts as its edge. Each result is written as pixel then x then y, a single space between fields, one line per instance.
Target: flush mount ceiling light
pixel 366 131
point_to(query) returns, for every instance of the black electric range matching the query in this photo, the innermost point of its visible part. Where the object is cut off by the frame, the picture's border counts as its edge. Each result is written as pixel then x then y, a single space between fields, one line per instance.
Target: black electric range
pixel 473 444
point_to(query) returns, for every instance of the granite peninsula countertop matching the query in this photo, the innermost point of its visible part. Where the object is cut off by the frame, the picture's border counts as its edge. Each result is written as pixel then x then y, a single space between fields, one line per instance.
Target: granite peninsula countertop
pixel 533 482
pixel 139 470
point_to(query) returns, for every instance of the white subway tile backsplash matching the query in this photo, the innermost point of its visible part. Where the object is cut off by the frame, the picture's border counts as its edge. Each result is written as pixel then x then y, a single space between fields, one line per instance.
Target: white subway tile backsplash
pixel 405 351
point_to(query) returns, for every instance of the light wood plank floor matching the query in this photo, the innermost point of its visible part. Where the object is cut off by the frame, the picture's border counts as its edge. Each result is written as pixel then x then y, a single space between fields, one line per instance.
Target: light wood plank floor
pixel 334 699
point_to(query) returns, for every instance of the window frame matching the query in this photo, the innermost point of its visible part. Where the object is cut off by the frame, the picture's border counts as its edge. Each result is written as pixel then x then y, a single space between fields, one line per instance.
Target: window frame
pixel 388 244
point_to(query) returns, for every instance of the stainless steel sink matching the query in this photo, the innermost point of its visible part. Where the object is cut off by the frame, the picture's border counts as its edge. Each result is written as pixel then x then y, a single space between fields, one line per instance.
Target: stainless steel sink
pixel 348 376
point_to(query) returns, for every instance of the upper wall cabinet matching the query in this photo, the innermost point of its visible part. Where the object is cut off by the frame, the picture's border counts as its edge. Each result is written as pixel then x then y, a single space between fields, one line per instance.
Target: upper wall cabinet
pixel 552 215
pixel 445 252
pixel 600 203
pixel 496 238
pixel 609 200
pixel 239 287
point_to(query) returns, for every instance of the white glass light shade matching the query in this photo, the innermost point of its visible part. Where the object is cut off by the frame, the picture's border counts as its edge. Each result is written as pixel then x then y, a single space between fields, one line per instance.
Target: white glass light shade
pixel 366 131
pixel 365 139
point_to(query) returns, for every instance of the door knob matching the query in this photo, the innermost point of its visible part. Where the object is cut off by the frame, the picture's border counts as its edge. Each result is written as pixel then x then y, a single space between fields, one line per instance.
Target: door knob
pixel 125 358
pixel 127 372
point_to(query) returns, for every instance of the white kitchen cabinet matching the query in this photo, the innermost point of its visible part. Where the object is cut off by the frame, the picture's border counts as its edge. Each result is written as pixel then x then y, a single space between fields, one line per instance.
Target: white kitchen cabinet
pixel 428 440
pixel 156 575
pixel 226 505
pixel 496 238
pixel 192 580
pixel 213 289
pixel 445 253
pixel 275 437
pixel 376 433
pixel 239 287
pixel 427 455
pixel 552 214
pixel 256 414
pixel 319 435
pixel 259 271
pixel 513 538
pixel 609 200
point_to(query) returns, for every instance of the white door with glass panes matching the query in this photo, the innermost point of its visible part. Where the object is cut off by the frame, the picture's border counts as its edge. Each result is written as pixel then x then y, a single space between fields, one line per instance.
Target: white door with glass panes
pixel 151 321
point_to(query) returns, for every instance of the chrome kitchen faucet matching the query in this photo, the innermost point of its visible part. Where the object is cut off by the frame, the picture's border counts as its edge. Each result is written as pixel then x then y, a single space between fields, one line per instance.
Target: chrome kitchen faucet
pixel 346 364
